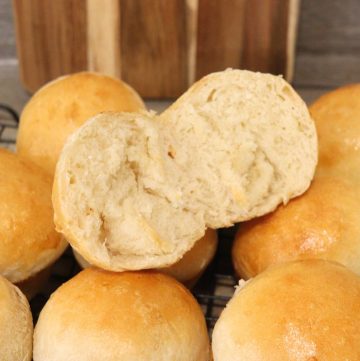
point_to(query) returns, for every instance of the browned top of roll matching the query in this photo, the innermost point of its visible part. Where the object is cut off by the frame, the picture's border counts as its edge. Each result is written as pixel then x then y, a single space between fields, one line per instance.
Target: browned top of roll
pixel 322 223
pixel 99 315
pixel 62 106
pixel 337 119
pixel 304 311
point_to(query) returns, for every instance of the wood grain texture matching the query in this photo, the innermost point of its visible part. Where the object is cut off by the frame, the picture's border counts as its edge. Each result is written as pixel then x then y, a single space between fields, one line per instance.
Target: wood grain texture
pixel 103 33
pixel 265 45
pixel 51 39
pixel 192 11
pixel 153 46
pixel 220 35
pixel 257 35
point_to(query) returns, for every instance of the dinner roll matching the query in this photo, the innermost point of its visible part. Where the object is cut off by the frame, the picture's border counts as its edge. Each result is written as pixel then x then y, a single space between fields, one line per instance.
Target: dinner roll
pixel 190 268
pixel 16 327
pixel 136 190
pixel 301 311
pixel 63 105
pixel 132 316
pixel 29 242
pixel 337 119
pixel 322 223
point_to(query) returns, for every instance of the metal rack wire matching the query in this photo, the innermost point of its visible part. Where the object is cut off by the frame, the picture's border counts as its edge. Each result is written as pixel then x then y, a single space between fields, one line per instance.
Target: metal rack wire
pixel 212 291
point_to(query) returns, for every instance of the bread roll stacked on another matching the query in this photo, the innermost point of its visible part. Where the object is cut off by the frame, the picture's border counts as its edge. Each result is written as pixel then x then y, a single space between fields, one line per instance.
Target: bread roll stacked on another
pixel 190 267
pixel 62 106
pixel 29 244
pixel 325 221
pixel 136 190
pixel 132 316
pixel 337 119
pixel 304 310
pixel 322 223
pixel 16 326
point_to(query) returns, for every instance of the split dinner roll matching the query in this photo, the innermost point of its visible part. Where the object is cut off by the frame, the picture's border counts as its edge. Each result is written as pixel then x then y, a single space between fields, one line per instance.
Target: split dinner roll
pixel 300 311
pixel 136 190
pixel 190 268
pixel 62 106
pixel 16 326
pixel 138 316
pixel 322 223
pixel 29 242
pixel 337 119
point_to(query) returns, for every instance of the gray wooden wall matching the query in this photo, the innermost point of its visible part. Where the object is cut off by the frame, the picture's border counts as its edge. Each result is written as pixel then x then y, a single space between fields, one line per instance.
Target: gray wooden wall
pixel 328 47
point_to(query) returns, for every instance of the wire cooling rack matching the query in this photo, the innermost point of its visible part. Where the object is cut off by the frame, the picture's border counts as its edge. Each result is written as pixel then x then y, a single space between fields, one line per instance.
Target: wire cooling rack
pixel 212 291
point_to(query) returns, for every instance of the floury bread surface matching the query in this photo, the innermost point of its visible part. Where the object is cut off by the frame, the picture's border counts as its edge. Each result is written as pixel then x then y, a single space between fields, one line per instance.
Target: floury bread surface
pixel 136 190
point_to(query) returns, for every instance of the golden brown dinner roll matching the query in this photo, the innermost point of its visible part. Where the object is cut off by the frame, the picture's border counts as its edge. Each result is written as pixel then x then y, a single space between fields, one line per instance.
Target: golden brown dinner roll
pixel 16 327
pixel 190 268
pixel 337 119
pixel 132 316
pixel 300 311
pixel 322 223
pixel 60 107
pixel 29 242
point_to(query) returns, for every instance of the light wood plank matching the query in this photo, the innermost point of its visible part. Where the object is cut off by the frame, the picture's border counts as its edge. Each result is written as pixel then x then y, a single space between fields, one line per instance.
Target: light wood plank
pixel 192 13
pixel 103 32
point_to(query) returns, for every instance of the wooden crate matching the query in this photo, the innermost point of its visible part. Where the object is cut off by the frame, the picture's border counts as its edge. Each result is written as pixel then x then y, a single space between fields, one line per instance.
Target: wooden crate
pixel 160 47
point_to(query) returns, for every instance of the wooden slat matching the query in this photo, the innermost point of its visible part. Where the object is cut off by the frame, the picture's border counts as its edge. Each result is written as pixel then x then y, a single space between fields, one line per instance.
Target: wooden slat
pixel 192 10
pixel 51 39
pixel 270 36
pixel 292 30
pixel 153 46
pixel 220 35
pixel 103 33
pixel 265 45
pixel 257 35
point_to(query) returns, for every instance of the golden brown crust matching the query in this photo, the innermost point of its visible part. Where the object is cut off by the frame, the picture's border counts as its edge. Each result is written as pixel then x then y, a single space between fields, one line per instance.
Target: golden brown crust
pixel 29 240
pixel 305 310
pixel 62 106
pixel 337 119
pixel 190 268
pixel 16 327
pixel 128 316
pixel 322 223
